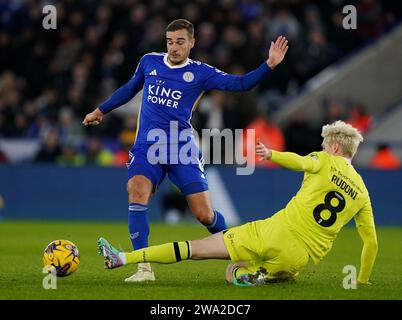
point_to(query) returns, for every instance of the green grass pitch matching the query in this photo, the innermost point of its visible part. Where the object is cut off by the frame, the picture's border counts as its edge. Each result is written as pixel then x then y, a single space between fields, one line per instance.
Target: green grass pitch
pixel 22 243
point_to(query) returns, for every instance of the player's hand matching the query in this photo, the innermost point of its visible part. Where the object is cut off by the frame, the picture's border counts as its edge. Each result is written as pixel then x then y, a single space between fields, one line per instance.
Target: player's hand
pixel 277 51
pixel 263 151
pixel 93 118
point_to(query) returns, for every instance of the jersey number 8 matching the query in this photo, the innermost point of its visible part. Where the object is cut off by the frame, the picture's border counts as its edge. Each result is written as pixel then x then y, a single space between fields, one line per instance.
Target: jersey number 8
pixel 328 206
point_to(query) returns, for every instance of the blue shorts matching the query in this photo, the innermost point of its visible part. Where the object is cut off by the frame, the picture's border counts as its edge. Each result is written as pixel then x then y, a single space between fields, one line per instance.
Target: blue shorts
pixel 188 177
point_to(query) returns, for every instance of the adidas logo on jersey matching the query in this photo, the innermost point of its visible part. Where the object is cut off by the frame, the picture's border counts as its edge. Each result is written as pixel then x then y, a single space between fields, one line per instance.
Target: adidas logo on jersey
pixel 153 73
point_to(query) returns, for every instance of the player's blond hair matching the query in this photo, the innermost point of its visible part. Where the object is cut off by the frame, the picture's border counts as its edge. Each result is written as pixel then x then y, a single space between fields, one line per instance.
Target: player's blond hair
pixel 343 134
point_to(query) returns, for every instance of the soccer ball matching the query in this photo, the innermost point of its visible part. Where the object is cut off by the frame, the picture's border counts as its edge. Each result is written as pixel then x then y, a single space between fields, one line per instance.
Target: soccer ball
pixel 62 256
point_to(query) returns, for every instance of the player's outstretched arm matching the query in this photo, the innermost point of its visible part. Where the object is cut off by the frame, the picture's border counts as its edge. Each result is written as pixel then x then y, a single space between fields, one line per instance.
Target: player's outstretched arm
pixel 289 160
pixel 120 97
pixel 369 253
pixel 217 79
pixel 277 51
pixel 364 220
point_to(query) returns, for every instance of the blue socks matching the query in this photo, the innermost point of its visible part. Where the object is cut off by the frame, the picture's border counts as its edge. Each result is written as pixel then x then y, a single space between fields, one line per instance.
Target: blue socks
pixel 218 224
pixel 138 225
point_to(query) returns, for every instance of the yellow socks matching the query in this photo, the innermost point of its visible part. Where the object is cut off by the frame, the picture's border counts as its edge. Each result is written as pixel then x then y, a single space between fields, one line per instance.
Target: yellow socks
pixel 164 253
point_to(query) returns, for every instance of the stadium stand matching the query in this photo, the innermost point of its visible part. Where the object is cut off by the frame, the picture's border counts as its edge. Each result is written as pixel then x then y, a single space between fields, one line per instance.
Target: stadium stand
pixel 97 45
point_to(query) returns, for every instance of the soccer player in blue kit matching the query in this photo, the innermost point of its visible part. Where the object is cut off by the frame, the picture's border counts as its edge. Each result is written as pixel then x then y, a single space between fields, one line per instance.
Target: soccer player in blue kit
pixel 172 86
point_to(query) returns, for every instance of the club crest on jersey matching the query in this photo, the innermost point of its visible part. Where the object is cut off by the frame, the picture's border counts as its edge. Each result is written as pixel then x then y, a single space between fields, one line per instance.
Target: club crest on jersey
pixel 188 76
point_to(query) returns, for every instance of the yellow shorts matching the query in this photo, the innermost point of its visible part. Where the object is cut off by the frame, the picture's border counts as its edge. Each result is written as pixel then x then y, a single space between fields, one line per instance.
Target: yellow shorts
pixel 269 244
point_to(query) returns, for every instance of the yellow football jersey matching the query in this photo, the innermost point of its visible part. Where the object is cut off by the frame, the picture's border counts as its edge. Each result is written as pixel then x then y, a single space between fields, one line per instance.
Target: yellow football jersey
pixel 331 194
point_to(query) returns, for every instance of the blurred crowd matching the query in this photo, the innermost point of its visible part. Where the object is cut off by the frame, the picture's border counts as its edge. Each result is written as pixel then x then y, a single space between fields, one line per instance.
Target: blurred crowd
pixel 49 79
pixel 298 135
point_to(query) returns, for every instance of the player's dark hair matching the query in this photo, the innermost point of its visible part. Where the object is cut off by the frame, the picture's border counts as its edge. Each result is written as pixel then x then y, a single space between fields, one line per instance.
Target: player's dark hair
pixel 180 24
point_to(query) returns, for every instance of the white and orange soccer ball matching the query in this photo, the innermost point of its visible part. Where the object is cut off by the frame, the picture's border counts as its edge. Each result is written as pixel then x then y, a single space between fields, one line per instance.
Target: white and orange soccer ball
pixel 63 256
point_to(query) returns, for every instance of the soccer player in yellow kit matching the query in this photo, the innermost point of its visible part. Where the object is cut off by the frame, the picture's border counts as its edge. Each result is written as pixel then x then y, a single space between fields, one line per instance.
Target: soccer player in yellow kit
pixel 278 248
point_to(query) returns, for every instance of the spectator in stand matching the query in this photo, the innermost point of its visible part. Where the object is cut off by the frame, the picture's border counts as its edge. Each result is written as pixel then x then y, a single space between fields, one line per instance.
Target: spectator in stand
pixel 319 53
pixel 70 157
pixel 300 135
pixel 48 104
pixel 92 52
pixel 121 157
pixel 129 130
pixel 267 133
pixel 95 153
pixel 360 119
pixel 333 111
pixel 3 157
pixel 206 37
pixel 250 9
pixel 50 150
pixel 70 129
pixel 384 158
pixel 126 138
pixel 284 23
pixel 343 39
pixel 369 19
pixel 215 113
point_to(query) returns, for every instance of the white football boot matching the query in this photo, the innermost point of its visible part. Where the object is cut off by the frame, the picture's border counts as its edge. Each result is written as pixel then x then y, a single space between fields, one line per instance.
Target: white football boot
pixel 144 273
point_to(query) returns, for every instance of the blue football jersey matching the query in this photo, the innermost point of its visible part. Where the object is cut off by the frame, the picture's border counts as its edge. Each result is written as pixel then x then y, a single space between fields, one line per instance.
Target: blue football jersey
pixel 171 93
